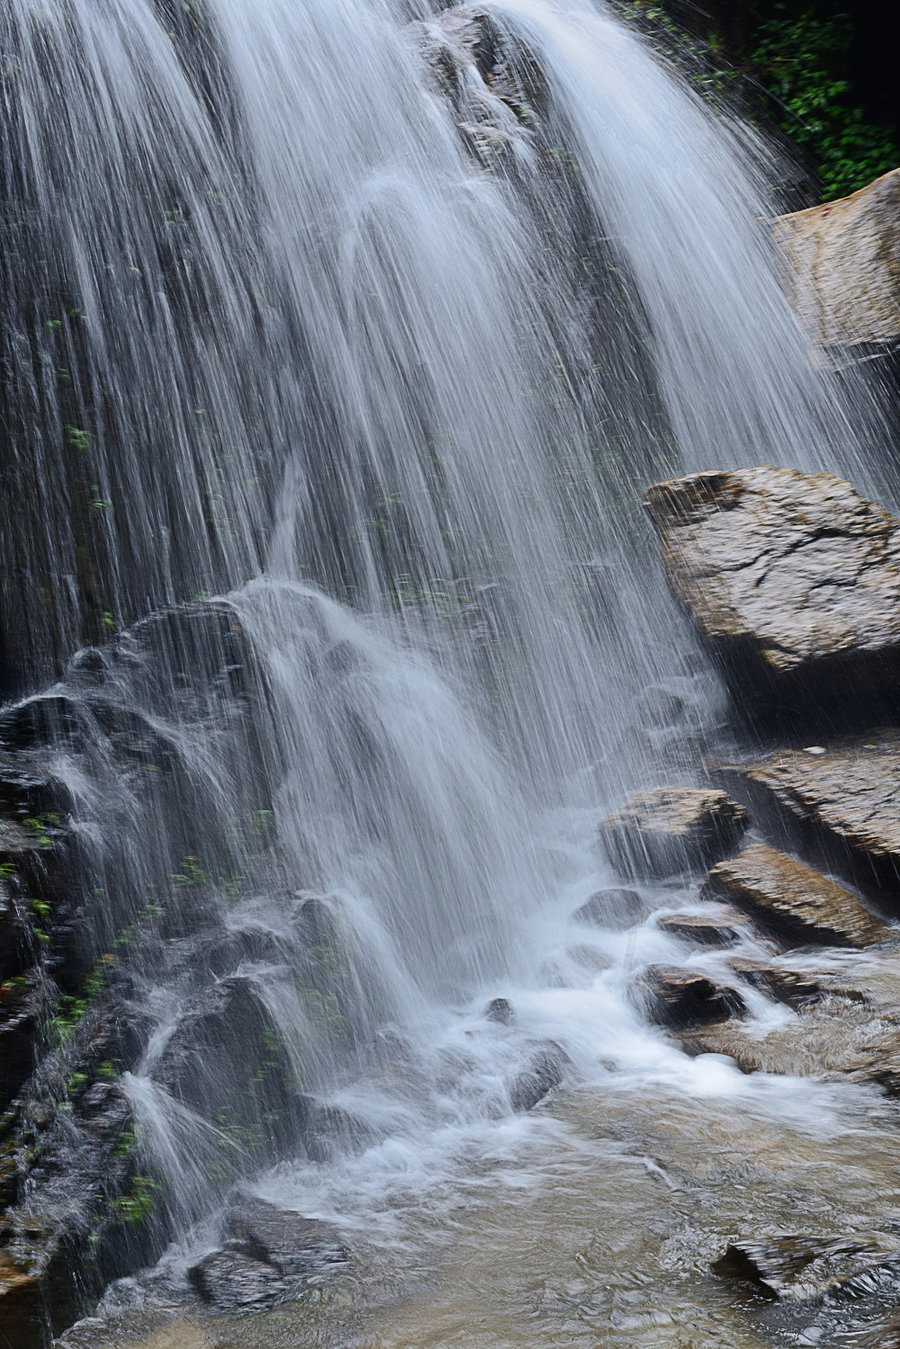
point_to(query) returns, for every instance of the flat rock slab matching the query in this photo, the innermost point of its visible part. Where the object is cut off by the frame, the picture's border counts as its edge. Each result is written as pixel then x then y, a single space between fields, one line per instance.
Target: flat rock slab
pixel 846 794
pixel 801 1268
pixel 795 988
pixel 681 998
pixel 793 901
pixel 720 926
pixel 673 829
pixel 792 579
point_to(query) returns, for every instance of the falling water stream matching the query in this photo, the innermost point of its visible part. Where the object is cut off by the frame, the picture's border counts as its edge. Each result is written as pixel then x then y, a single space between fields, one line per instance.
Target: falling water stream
pixel 334 379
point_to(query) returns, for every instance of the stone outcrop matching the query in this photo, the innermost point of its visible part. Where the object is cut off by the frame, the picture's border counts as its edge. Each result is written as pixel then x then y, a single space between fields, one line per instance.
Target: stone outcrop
pixel 716 926
pixel 672 829
pixel 843 797
pixel 792 580
pixel 269 1255
pixel 682 998
pixel 795 988
pixel 791 900
pixel 844 266
pixel 544 1070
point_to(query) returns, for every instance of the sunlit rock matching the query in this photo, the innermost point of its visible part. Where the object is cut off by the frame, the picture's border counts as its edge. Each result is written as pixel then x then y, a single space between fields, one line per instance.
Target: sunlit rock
pixel 792 580
pixel 792 900
pixel 844 800
pixel 844 265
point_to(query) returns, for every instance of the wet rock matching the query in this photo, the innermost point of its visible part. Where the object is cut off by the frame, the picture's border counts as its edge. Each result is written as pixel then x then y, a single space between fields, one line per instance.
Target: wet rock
pixel 844 799
pixel 227 1061
pixel 673 829
pixel 792 900
pixel 718 927
pixel 793 987
pixel 291 1243
pixel 491 80
pixel 328 1131
pixel 844 273
pixel 802 1268
pixel 792 580
pixel 681 998
pixel 233 1281
pixel 612 908
pixel 501 1011
pixel 546 1070
pixel 269 1254
pixel 24 1002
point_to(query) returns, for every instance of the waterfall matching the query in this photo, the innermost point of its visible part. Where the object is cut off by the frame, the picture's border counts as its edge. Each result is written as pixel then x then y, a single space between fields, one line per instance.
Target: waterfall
pixel 333 375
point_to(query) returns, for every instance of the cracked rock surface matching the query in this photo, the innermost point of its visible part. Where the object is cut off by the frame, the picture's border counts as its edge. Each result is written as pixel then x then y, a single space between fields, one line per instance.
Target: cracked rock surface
pixel 792 579
pixel 846 793
pixel 792 900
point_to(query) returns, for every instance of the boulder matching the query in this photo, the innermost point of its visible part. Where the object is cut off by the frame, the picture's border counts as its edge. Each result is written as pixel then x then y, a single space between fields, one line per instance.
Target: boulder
pixel 269 1254
pixel 672 829
pixel 500 1010
pixel 801 1268
pixel 843 270
pixel 792 580
pixel 794 902
pixel 718 926
pixel 681 998
pixel 544 1071
pixel 843 797
pixel 611 908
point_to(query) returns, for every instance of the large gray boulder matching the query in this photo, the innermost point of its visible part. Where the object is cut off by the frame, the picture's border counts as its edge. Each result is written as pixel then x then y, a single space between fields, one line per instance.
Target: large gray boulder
pixel 843 271
pixel 792 580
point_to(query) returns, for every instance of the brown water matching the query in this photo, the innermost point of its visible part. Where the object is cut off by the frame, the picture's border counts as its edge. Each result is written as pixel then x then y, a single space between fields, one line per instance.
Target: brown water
pixel 598 1229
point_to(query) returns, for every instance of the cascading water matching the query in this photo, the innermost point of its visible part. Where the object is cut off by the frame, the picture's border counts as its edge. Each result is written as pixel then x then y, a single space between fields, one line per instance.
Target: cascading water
pixel 301 312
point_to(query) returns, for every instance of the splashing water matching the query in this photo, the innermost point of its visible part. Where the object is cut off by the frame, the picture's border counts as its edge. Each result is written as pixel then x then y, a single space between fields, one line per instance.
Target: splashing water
pixel 303 314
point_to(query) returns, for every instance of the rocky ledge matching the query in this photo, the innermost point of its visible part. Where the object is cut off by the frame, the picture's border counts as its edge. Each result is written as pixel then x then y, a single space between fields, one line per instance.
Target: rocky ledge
pixel 792 580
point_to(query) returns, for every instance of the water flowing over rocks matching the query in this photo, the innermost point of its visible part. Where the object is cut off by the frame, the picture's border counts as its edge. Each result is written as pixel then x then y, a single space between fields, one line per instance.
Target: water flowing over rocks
pixel 844 266
pixel 791 580
pixel 792 900
pixel 682 998
pixel 672 829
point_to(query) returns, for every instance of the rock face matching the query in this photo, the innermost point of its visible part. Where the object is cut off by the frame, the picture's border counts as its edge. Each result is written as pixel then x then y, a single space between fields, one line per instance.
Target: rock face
pixel 672 829
pixel 682 998
pixel 844 795
pixel 792 580
pixel 801 1268
pixel 844 265
pixel 792 900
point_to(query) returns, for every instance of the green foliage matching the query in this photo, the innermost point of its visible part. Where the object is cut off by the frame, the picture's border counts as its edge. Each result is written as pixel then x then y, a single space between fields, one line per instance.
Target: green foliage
pixel 137 1205
pixel 798 58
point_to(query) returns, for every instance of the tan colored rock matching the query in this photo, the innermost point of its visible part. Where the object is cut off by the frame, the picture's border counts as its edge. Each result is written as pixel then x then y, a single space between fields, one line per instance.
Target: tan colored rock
pixel 719 925
pixel 795 988
pixel 844 265
pixel 847 796
pixel 672 829
pixel 792 580
pixel 793 901
pixel 681 998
